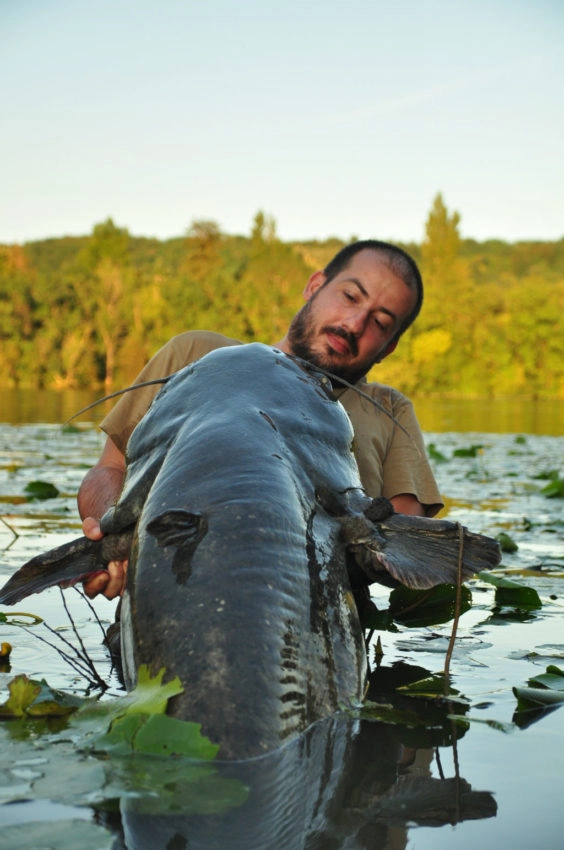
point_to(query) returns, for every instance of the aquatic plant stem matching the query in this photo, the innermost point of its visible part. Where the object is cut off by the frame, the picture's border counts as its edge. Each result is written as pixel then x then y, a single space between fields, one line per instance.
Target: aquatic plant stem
pixel 97 679
pixel 446 672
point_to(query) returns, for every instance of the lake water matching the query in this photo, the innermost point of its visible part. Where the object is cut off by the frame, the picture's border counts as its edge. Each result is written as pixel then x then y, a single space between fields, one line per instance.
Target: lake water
pixel 495 416
pixel 424 783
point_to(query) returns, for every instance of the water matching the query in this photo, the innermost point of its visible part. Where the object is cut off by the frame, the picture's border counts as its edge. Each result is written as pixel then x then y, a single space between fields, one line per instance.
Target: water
pixel 497 416
pixel 353 785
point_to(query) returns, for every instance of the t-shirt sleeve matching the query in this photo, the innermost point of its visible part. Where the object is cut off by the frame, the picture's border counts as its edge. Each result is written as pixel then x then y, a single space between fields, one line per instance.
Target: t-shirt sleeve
pixel 406 467
pixel 389 446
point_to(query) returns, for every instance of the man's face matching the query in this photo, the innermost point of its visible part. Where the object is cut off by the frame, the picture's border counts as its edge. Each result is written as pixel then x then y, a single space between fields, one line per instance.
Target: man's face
pixel 348 324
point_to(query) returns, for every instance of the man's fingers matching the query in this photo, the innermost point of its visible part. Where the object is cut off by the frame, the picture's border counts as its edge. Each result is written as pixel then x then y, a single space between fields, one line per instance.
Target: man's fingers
pixel 116 584
pixel 91 528
pixel 110 583
pixel 96 585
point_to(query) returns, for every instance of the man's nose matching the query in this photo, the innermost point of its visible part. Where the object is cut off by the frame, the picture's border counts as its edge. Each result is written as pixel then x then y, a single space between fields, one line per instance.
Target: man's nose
pixel 356 322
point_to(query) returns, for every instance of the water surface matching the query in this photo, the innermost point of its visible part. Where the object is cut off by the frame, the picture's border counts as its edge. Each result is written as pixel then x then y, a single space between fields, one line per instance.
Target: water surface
pixel 52 801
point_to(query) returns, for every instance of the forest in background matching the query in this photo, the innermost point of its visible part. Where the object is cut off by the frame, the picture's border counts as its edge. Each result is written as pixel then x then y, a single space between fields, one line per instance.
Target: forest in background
pixel 89 311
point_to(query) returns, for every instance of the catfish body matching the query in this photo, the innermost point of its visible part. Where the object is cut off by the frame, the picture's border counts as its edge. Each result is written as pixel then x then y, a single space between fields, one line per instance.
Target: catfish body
pixel 246 507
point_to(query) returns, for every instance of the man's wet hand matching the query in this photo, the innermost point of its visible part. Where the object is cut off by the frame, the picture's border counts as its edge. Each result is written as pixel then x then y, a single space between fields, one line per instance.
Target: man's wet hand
pixel 111 582
pixel 91 528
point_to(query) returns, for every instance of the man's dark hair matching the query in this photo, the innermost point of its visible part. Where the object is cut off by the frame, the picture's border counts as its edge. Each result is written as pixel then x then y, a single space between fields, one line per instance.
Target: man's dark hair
pixel 397 260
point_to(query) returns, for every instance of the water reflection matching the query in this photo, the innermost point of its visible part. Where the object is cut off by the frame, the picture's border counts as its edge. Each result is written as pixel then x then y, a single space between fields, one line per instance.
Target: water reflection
pixel 491 416
pixel 346 782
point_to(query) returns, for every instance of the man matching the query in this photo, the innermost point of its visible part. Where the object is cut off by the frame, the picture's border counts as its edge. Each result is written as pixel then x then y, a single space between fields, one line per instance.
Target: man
pixel 356 310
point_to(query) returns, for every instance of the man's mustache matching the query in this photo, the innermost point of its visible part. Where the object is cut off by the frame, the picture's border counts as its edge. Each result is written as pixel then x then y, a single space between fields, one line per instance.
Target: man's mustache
pixel 349 337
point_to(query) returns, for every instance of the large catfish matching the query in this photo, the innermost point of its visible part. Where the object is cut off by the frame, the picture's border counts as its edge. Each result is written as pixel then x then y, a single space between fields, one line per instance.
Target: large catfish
pixel 243 510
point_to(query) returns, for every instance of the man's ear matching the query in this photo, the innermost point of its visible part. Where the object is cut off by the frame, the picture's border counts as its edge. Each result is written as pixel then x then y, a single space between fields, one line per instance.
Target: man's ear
pixel 315 282
pixel 391 346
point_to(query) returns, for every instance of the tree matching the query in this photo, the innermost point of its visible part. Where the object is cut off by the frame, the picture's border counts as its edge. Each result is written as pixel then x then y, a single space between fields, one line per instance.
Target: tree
pixel 441 245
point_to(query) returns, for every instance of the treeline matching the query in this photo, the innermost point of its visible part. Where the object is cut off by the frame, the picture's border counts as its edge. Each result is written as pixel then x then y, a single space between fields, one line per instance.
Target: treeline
pixel 89 311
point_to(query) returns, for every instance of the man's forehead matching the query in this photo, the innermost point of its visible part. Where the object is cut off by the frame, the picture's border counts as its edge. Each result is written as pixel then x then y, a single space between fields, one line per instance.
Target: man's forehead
pixel 373 258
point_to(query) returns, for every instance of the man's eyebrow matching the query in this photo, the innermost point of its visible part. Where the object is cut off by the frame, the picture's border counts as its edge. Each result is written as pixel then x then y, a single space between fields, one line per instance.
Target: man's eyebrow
pixel 357 282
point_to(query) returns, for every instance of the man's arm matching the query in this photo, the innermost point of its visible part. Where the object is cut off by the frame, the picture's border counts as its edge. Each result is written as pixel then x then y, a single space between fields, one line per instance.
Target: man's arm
pixel 102 484
pixel 100 490
pixel 407 503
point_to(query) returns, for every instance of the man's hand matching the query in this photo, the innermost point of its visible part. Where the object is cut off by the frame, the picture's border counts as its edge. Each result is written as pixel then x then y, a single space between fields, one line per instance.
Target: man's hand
pixel 112 582
pixel 99 490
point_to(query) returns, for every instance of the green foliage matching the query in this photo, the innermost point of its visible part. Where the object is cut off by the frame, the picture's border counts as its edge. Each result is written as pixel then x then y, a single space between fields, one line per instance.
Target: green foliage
pixel 544 693
pixel 468 451
pixel 555 488
pixel 122 748
pixel 506 542
pixel 435 454
pixel 417 608
pixel 510 593
pixel 133 723
pixel 90 311
pixel 41 490
pixel 28 698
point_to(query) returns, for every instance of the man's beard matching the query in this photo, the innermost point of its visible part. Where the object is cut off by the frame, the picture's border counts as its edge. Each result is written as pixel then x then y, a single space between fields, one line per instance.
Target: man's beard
pixel 300 333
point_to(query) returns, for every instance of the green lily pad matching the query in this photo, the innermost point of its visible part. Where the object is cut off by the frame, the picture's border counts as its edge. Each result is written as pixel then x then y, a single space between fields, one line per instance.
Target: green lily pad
pixel 23 691
pixel 470 451
pixel 544 693
pixel 554 490
pixel 41 490
pixel 158 735
pixel 506 542
pixel 427 607
pixel 511 593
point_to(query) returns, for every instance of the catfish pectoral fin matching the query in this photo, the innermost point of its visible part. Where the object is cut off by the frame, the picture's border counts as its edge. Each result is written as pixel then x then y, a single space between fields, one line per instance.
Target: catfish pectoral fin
pixel 420 552
pixel 67 563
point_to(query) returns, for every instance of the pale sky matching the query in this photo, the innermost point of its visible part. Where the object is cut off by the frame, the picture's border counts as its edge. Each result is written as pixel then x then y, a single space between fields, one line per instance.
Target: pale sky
pixel 336 118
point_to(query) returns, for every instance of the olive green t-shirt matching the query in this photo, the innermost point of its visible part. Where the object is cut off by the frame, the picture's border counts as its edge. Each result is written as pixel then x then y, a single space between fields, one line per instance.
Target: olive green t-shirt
pixel 389 450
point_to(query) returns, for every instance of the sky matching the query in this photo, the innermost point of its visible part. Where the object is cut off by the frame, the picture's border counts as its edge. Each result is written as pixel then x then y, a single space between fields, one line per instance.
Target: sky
pixel 335 118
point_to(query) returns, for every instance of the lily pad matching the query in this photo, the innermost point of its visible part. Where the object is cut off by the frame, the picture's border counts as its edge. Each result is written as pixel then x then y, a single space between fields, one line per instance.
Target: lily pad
pixel 41 490
pixel 544 693
pixel 427 607
pixel 511 593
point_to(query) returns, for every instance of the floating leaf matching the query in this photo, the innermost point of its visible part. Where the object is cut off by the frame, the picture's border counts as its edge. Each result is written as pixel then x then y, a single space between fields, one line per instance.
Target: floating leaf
pixel 544 694
pixel 435 454
pixel 41 490
pixel 506 543
pixel 553 679
pixel 432 687
pixel 554 490
pixel 149 696
pixel 50 708
pixel 535 697
pixel 427 607
pixel 470 451
pixel 161 735
pixel 510 593
pixel 23 691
